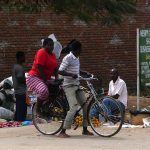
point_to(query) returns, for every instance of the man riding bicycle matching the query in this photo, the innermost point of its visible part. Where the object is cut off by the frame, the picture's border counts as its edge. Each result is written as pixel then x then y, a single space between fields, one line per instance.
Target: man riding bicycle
pixel 70 69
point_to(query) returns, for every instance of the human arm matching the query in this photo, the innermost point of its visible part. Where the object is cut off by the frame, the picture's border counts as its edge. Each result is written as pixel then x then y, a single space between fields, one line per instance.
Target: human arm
pixel 116 90
pixel 65 73
pixel 21 79
pixel 85 73
pixel 56 73
pixel 20 75
pixel 40 60
pixel 116 96
pixel 113 93
pixel 64 66
pixel 41 72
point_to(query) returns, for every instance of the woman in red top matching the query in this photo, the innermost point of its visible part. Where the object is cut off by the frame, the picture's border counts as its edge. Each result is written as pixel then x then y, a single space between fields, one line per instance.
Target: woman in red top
pixel 44 66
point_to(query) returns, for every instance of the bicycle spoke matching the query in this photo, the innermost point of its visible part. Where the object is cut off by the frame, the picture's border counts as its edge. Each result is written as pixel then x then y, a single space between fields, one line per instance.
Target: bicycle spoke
pixel 48 123
pixel 103 124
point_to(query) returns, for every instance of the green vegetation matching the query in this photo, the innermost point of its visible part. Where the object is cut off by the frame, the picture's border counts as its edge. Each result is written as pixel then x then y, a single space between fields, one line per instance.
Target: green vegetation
pixel 106 12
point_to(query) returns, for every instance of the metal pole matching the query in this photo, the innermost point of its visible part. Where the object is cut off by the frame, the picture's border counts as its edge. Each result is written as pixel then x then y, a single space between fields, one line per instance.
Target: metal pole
pixel 138 87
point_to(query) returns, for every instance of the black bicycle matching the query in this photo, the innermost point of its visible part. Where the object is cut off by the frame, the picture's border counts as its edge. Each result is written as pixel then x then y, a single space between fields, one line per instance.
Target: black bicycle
pixel 55 109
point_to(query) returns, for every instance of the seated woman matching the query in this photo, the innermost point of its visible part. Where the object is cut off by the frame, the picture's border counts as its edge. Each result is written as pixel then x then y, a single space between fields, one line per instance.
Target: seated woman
pixel 7 98
pixel 44 66
pixel 7 101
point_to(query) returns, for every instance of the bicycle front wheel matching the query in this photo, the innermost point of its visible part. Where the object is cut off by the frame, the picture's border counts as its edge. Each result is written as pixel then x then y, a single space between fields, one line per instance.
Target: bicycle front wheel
pixel 103 124
pixel 50 121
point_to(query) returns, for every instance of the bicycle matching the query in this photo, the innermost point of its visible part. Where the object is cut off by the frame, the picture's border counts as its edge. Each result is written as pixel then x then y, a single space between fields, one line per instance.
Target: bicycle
pixel 102 124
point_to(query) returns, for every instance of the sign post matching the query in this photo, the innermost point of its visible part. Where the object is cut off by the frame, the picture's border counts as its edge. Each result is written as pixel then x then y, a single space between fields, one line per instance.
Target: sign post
pixel 143 60
pixel 138 78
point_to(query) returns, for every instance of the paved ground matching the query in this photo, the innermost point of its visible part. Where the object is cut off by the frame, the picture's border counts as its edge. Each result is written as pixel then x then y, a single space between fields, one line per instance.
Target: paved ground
pixel 27 138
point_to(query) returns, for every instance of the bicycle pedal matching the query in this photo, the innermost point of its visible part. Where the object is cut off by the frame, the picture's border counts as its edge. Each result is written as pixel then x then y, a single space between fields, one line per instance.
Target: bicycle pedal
pixel 75 127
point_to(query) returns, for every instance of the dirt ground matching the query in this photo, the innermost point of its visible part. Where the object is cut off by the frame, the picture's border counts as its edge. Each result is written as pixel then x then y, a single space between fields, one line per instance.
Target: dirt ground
pixel 28 138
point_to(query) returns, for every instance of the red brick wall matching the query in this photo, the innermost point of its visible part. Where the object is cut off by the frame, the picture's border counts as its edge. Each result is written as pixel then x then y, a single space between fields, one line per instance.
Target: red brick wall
pixel 103 47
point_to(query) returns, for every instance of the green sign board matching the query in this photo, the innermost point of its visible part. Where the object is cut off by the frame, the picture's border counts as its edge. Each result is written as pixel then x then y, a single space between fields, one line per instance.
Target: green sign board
pixel 144 56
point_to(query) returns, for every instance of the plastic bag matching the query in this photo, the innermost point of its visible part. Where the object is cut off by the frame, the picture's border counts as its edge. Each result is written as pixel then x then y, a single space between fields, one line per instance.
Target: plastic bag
pixel 146 122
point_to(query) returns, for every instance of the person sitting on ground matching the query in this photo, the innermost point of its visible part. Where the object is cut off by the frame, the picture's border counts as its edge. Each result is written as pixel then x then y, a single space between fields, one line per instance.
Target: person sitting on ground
pixel 7 101
pixel 7 95
pixel 117 90
pixel 6 113
pixel 70 69
pixel 44 66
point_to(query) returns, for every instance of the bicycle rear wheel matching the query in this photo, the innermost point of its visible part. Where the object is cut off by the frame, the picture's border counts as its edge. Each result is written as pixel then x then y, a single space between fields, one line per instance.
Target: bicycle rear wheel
pixel 102 124
pixel 51 120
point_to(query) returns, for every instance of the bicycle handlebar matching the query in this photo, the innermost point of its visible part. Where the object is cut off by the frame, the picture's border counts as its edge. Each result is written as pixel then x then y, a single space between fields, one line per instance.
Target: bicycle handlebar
pixel 88 78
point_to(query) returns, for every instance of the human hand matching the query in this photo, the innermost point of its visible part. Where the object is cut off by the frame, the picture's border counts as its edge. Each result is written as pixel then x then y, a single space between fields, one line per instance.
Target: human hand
pixel 47 82
pixel 86 75
pixel 74 76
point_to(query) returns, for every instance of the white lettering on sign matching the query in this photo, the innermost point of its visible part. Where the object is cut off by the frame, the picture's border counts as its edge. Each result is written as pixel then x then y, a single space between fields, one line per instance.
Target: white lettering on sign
pixel 145 33
pixel 147 41
pixel 144 67
pixel 144 49
pixel 144 63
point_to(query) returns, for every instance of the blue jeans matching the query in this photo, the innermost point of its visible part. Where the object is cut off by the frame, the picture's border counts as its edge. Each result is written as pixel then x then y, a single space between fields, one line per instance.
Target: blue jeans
pixel 110 107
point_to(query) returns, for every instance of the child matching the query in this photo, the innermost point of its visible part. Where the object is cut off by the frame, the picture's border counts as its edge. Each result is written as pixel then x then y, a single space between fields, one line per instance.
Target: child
pixel 19 84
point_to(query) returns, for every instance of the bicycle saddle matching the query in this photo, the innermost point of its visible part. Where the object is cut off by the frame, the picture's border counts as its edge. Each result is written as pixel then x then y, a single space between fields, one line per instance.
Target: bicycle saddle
pixel 53 82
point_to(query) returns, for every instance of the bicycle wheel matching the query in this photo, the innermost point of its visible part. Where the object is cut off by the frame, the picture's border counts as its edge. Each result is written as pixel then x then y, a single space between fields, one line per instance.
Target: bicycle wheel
pixel 102 124
pixel 51 120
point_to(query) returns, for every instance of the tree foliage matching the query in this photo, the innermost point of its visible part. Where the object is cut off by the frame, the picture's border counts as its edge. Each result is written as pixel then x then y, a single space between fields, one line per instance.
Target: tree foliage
pixel 104 11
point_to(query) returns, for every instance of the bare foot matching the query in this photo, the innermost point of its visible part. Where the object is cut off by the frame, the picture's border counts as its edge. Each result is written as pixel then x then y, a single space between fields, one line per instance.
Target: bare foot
pixel 63 135
pixel 87 133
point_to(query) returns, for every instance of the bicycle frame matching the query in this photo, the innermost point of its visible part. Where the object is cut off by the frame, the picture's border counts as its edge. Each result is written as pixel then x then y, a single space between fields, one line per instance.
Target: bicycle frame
pixel 93 93
pixel 92 90
pixel 90 86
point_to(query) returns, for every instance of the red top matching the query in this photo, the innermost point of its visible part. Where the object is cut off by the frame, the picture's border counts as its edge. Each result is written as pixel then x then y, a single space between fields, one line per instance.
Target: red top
pixel 48 61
